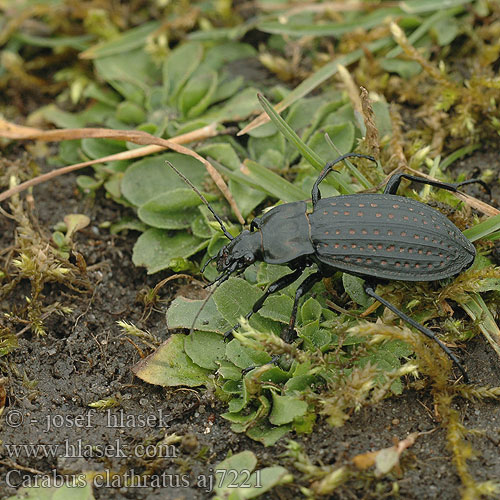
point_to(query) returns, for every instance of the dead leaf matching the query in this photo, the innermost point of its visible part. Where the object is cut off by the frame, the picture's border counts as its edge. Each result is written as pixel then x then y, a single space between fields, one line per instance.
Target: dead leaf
pixel 387 458
pixel 13 131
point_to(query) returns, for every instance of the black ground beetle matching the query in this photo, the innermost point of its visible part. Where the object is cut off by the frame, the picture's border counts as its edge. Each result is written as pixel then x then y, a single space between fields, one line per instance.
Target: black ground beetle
pixel 374 236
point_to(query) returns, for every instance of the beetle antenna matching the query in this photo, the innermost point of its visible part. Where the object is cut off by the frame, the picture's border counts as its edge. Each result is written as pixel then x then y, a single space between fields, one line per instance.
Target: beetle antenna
pixel 201 309
pixel 219 280
pixel 208 262
pixel 204 200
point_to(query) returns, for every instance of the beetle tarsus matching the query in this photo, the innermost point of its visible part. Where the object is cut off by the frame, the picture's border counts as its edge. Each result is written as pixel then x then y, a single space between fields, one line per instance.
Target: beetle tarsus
pixel 274 361
pixel 288 334
pixel 229 334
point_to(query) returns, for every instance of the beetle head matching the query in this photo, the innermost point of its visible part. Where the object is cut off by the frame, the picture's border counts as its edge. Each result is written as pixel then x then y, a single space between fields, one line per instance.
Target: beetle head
pixel 240 252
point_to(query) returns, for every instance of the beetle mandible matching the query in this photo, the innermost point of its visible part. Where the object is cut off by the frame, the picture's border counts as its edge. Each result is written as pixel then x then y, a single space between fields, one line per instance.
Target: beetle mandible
pixel 373 236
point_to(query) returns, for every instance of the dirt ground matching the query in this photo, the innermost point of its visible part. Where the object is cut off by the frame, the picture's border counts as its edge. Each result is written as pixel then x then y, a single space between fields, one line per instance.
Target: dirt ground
pixel 85 358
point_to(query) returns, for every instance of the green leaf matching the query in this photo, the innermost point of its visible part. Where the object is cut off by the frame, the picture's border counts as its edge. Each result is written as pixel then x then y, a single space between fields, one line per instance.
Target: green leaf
pixel 170 366
pixel 268 273
pixel 97 148
pixel 245 460
pixel 59 239
pixel 269 182
pixel 205 348
pixel 275 375
pixel 200 227
pixel 368 21
pixel 286 409
pixel 240 420
pixel 182 312
pixel 277 308
pixel 128 41
pixel 156 249
pixel 483 229
pixel 421 6
pixel 328 70
pixel 103 95
pixel 258 483
pixel 180 65
pixel 234 298
pixel 239 107
pixel 69 151
pixel 265 130
pixel 246 197
pixel 54 42
pixel 175 209
pixel 314 159
pixel 228 371
pixel 305 424
pixel 238 403
pixel 257 147
pixel 150 177
pixel 313 336
pixel 383 120
pixel 214 34
pixel 266 434
pixel 127 223
pixel 197 94
pixel 132 85
pixel 439 14
pixel 78 489
pixel 302 112
pixel 227 88
pixel 112 186
pixel 341 135
pixel 130 113
pixel 234 386
pixel 388 355
pixel 87 183
pixel 245 357
pixel 60 118
pixel 474 305
pixel 310 310
pixel 459 153
pixel 299 383
pixel 222 152
pixel 354 286
pixel 405 69
pixel 219 55
pixel 445 31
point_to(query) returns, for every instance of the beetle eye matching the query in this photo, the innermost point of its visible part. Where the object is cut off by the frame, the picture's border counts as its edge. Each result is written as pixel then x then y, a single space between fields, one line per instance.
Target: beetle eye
pixel 249 258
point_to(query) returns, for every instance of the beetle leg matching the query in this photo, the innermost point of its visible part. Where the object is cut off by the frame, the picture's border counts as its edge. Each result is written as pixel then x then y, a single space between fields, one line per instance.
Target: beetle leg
pixel 289 334
pixel 255 224
pixel 422 329
pixel 279 284
pixel 274 361
pixel 315 194
pixel 211 259
pixel 392 185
